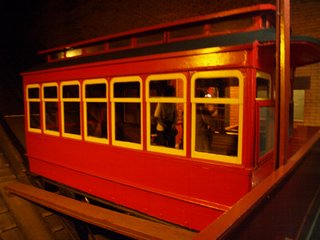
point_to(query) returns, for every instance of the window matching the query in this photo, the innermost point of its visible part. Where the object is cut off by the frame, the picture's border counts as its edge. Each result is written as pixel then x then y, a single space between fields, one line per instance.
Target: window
pixel 265 115
pixel 126 112
pixel 70 109
pixel 298 105
pixel 231 25
pixel 74 52
pixel 95 110
pixel 166 108
pixel 33 107
pixel 94 49
pixel 150 38
pixel 187 32
pixel 266 129
pixel 50 108
pixel 120 43
pixel 217 115
pixel 263 86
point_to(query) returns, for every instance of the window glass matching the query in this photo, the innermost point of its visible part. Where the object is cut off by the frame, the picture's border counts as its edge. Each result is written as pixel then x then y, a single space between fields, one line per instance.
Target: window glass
pixel 51 116
pixel 126 102
pixel 216 115
pixel 56 56
pixel 192 31
pixel 263 88
pixel 266 129
pixel 50 92
pixel 150 38
pixel 127 90
pixel 33 92
pixel 33 106
pixel 70 104
pixel 73 53
pixel 128 126
pixel 71 117
pixel 120 43
pixel 230 25
pixel 217 88
pixel 95 109
pixel 165 114
pixel 34 114
pixel 166 110
pixel 217 128
pixel 95 90
pixel 94 49
pixel 50 103
pixel 97 119
pixel 70 91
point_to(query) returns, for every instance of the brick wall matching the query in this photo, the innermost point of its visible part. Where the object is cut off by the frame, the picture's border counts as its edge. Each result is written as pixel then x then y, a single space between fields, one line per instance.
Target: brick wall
pixel 305 20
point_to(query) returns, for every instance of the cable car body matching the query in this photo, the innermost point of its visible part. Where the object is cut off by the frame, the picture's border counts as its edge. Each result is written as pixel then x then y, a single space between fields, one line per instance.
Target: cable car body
pixel 90 121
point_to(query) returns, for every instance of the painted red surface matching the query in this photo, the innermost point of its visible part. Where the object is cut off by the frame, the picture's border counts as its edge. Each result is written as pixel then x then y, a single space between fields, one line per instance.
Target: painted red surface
pixel 182 190
pixel 186 191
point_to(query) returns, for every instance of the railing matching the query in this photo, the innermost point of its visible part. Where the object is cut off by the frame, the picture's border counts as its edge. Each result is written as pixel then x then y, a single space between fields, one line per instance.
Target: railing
pixel 279 207
pixel 231 21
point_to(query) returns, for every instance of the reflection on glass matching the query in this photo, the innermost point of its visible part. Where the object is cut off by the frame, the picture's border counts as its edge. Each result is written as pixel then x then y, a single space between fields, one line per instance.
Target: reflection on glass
pixel 70 91
pixel 128 124
pixel 266 129
pixel 96 110
pixel 217 128
pixel 33 93
pixel 34 114
pixel 223 87
pixel 166 113
pixel 51 113
pixel 72 117
pixel 51 108
pixel 96 90
pixel 127 90
pixel 97 119
pixel 50 92
pixel 263 88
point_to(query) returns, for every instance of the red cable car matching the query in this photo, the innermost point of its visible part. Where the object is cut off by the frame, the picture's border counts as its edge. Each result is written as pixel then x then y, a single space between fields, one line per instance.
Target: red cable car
pixel 174 121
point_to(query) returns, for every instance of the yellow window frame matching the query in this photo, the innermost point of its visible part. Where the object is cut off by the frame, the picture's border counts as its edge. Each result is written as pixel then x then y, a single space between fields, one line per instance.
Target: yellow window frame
pixel 236 101
pixel 149 100
pixel 29 100
pixel 63 100
pixel 93 100
pixel 46 100
pixel 115 100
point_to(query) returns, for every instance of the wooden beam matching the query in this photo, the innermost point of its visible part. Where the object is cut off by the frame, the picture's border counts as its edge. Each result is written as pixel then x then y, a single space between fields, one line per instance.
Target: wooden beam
pixel 283 83
pixel 130 226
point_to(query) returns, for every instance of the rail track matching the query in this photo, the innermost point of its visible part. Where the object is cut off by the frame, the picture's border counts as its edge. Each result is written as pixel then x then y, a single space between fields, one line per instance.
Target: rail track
pixel 19 218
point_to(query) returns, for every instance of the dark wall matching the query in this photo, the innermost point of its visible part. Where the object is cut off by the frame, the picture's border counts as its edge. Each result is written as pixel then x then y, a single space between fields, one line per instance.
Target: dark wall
pixel 28 26
pixel 61 23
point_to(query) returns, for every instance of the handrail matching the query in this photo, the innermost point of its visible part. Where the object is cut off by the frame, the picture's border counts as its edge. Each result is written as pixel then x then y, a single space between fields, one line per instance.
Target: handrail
pixel 124 224
pixel 223 14
pixel 200 27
